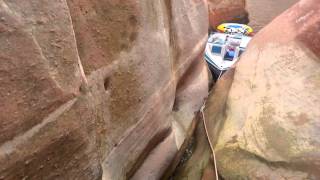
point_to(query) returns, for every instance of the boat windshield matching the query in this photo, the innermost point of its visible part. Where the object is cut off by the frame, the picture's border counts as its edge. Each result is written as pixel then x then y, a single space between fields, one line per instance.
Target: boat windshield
pixel 234 42
pixel 238 36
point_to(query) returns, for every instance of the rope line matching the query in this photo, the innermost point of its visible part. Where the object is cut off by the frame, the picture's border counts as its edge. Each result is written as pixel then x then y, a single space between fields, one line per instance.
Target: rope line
pixel 211 146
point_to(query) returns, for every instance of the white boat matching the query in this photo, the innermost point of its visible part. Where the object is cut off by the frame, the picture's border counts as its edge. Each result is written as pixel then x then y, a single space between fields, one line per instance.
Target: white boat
pixel 223 50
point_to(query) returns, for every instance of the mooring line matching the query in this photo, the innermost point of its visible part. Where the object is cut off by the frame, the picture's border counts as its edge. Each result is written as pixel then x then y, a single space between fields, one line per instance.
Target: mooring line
pixel 211 146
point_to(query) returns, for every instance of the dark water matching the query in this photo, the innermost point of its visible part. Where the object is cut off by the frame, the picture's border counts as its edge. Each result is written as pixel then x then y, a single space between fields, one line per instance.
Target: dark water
pixel 263 11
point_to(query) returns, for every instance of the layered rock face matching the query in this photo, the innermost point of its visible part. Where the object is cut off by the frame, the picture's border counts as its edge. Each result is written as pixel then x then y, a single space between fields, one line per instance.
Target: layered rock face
pixel 98 89
pixel 221 11
pixel 269 128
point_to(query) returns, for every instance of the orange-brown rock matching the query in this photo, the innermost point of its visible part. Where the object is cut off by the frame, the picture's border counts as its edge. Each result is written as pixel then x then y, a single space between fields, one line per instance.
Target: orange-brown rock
pixel 269 126
pixel 221 11
pixel 96 89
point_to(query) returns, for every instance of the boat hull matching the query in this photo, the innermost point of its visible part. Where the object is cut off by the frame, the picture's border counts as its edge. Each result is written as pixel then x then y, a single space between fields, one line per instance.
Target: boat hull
pixel 216 73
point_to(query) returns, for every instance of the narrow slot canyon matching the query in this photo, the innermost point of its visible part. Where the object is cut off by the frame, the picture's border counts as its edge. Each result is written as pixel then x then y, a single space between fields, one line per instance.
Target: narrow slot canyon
pixel 116 90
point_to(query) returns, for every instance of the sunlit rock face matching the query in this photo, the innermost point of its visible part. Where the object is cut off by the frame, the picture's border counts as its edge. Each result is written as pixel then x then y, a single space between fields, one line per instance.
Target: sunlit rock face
pixel 221 11
pixel 98 89
pixel 270 125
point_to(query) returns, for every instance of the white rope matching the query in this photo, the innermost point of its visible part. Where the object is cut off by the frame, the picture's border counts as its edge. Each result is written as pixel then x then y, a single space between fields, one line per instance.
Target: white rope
pixel 211 146
pixel 220 75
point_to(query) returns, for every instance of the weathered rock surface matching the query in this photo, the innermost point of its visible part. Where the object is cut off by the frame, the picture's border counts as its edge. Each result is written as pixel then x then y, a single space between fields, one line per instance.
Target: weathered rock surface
pixel 269 128
pixel 95 89
pixel 199 165
pixel 200 153
pixel 221 11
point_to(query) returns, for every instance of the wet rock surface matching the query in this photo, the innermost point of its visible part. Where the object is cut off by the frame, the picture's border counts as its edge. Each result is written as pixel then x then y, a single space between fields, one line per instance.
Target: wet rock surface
pixel 95 89
pixel 268 128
